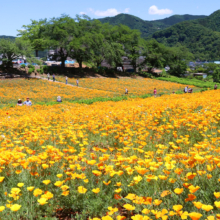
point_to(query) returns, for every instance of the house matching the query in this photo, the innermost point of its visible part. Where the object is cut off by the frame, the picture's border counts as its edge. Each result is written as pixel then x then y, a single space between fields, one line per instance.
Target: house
pixel 204 75
pixel 126 63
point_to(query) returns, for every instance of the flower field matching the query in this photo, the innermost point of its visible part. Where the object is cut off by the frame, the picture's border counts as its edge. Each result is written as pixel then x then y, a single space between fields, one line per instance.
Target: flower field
pixel 43 91
pixel 138 159
pixel 134 86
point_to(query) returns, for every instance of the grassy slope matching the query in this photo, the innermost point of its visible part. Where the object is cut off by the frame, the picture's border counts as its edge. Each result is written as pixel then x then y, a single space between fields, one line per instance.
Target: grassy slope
pixel 194 82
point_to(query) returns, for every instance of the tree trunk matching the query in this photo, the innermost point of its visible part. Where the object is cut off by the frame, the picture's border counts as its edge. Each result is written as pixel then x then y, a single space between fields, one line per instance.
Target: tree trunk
pixel 98 64
pixel 36 53
pixel 80 64
pixel 62 64
pixel 135 67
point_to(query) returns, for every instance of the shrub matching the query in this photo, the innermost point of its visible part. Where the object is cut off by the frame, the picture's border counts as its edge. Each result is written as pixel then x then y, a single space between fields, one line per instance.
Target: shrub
pixel 190 76
pixel 95 69
pixel 199 77
pixel 148 75
pixel 31 70
pixel 164 73
pixel 101 70
pixel 30 66
pixel 23 65
pixel 201 70
pixel 216 75
pixel 110 71
pixel 46 69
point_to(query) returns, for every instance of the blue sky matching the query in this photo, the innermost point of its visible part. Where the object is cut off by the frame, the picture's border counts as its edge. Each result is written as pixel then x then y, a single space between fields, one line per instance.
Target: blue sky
pixel 14 14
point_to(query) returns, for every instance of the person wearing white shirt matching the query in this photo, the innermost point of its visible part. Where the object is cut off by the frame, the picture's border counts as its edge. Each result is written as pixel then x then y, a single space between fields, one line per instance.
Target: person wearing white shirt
pixel 27 102
pixel 186 89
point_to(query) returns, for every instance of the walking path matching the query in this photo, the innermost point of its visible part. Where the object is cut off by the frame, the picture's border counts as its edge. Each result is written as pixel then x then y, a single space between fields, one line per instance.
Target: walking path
pixel 74 85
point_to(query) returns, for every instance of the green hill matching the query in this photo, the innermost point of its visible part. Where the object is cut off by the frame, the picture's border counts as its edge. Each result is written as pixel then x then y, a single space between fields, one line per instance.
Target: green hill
pixel 10 37
pixel 201 36
pixel 147 28
pixel 212 21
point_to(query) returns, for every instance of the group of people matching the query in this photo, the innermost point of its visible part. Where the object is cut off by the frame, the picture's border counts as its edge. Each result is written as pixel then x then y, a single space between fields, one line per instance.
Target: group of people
pixel 27 102
pixel 188 90
pixel 48 77
pixel 155 92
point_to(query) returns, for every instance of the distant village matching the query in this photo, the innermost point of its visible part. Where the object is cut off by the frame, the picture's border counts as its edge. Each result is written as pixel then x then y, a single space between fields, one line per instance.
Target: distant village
pixel 126 63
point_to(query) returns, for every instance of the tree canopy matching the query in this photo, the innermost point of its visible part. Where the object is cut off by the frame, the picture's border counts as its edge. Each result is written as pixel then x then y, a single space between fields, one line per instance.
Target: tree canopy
pixel 87 40
pixel 11 50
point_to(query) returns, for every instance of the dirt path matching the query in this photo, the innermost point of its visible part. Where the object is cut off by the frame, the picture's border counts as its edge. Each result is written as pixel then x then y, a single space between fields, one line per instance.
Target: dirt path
pixel 73 85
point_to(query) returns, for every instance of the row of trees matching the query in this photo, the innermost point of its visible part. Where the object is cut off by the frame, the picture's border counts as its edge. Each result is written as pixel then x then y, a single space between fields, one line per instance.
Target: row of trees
pixel 91 41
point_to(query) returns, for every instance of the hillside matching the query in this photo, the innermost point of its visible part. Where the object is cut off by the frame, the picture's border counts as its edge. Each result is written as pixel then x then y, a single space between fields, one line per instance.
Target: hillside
pixel 212 21
pixel 201 36
pixel 147 28
pixel 10 37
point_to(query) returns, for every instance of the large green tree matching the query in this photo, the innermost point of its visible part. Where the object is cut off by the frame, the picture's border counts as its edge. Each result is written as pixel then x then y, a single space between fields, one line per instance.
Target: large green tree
pixel 155 55
pixel 59 33
pixel 34 33
pixel 12 50
pixel 177 59
pixel 216 74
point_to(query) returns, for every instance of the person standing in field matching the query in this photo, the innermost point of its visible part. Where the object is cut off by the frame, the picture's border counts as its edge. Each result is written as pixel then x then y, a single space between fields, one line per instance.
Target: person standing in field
pixel 155 92
pixel 54 77
pixel 77 82
pixel 126 91
pixel 66 79
pixel 48 76
pixel 186 89
pixel 215 87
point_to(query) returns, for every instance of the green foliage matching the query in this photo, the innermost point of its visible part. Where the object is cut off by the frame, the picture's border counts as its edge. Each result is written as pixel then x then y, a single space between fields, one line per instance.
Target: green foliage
pixel 186 81
pixel 30 66
pixel 199 77
pixel 7 37
pixel 216 75
pixel 164 73
pixel 12 50
pixel 154 55
pixel 201 36
pixel 201 70
pixel 31 70
pixel 23 65
pixel 147 28
pixel 210 67
pixel 46 69
pixel 209 78
pixel 178 68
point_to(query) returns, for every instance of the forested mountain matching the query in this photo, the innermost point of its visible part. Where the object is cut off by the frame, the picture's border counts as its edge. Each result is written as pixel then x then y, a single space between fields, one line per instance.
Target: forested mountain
pixel 201 36
pixel 147 28
pixel 8 37
pixel 212 21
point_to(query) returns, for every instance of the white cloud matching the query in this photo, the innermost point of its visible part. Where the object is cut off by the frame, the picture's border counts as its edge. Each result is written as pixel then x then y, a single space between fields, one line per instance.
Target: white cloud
pixel 108 12
pixel 127 10
pixel 82 13
pixel 153 10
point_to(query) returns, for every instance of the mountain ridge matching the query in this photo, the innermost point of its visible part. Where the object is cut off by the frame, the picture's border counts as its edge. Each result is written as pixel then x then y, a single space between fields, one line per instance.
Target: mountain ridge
pixel 148 28
pixel 201 37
